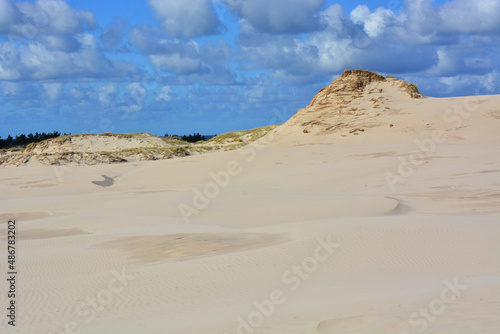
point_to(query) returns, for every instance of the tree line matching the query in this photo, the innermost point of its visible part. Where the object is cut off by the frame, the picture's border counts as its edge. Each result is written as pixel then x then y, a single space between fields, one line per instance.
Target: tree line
pixel 195 137
pixel 23 140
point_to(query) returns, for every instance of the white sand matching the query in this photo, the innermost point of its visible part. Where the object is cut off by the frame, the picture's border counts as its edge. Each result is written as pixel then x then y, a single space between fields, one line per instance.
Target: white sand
pixel 394 249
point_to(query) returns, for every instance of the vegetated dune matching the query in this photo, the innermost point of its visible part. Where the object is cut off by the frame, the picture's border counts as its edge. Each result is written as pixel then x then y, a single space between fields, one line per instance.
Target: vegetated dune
pixel 108 148
pixel 92 143
pixel 394 229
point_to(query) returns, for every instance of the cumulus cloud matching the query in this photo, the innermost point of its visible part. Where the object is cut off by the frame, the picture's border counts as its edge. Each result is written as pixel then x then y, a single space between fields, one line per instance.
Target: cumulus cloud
pixel 9 15
pixel 461 84
pixel 189 19
pixel 279 16
pixel 373 23
pixel 59 42
pixel 182 65
pixel 106 94
pixel 113 36
pixel 135 97
pixel 53 90
pixel 325 51
pixel 185 57
pixel 454 17
pixel 37 61
pixel 50 40
pixel 19 92
pixel 187 61
pixel 464 59
pixel 421 38
pixel 166 94
pixel 30 19
pixel 9 62
pixel 480 16
pixel 109 99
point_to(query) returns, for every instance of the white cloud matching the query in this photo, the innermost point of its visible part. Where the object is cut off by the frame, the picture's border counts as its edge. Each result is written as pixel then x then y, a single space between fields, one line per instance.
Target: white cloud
pixel 113 36
pixel 186 61
pixel 53 91
pixel 181 64
pixel 106 94
pixel 454 17
pixel 419 39
pixel 279 16
pixel 135 98
pixel 9 15
pixel 360 14
pixel 185 57
pixel 322 52
pixel 43 17
pixel 455 59
pixel 59 43
pixel 166 94
pixel 38 61
pixel 12 88
pixel 373 23
pixel 463 16
pixel 50 40
pixel 472 84
pixel 181 18
pixel 9 62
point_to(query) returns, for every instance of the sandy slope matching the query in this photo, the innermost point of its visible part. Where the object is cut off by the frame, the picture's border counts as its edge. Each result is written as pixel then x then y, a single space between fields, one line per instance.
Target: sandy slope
pixel 263 238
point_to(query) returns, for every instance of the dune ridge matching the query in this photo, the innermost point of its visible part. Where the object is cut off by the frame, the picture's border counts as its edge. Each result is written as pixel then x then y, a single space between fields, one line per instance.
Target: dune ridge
pixel 110 148
pixel 361 106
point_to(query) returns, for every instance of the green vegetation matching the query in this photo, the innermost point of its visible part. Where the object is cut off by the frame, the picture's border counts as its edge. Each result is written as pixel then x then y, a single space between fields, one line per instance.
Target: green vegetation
pixel 150 153
pixel 260 132
pixel 122 135
pixel 227 137
pixel 242 136
pixel 176 146
pixel 196 137
pixel 23 140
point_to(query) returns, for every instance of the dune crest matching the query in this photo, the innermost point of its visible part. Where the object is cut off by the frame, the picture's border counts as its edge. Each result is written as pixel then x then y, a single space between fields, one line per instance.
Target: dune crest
pixel 110 148
pixel 362 106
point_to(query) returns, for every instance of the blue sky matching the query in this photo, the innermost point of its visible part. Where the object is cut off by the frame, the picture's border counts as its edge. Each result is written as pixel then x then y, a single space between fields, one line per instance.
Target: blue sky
pixel 210 66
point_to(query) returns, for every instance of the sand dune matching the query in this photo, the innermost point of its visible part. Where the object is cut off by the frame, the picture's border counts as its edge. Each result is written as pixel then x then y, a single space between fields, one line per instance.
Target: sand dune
pixel 110 148
pixel 301 232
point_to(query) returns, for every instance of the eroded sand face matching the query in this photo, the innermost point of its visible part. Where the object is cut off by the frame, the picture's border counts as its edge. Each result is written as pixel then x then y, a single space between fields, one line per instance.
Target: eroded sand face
pixel 308 237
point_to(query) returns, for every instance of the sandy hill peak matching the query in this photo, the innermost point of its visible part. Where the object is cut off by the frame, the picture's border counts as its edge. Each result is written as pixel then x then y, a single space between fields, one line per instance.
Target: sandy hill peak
pixel 353 83
pixel 362 106
pixel 352 103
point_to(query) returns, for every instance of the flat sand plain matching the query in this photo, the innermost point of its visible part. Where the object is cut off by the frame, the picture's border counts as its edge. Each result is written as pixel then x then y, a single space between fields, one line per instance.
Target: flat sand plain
pixel 367 233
